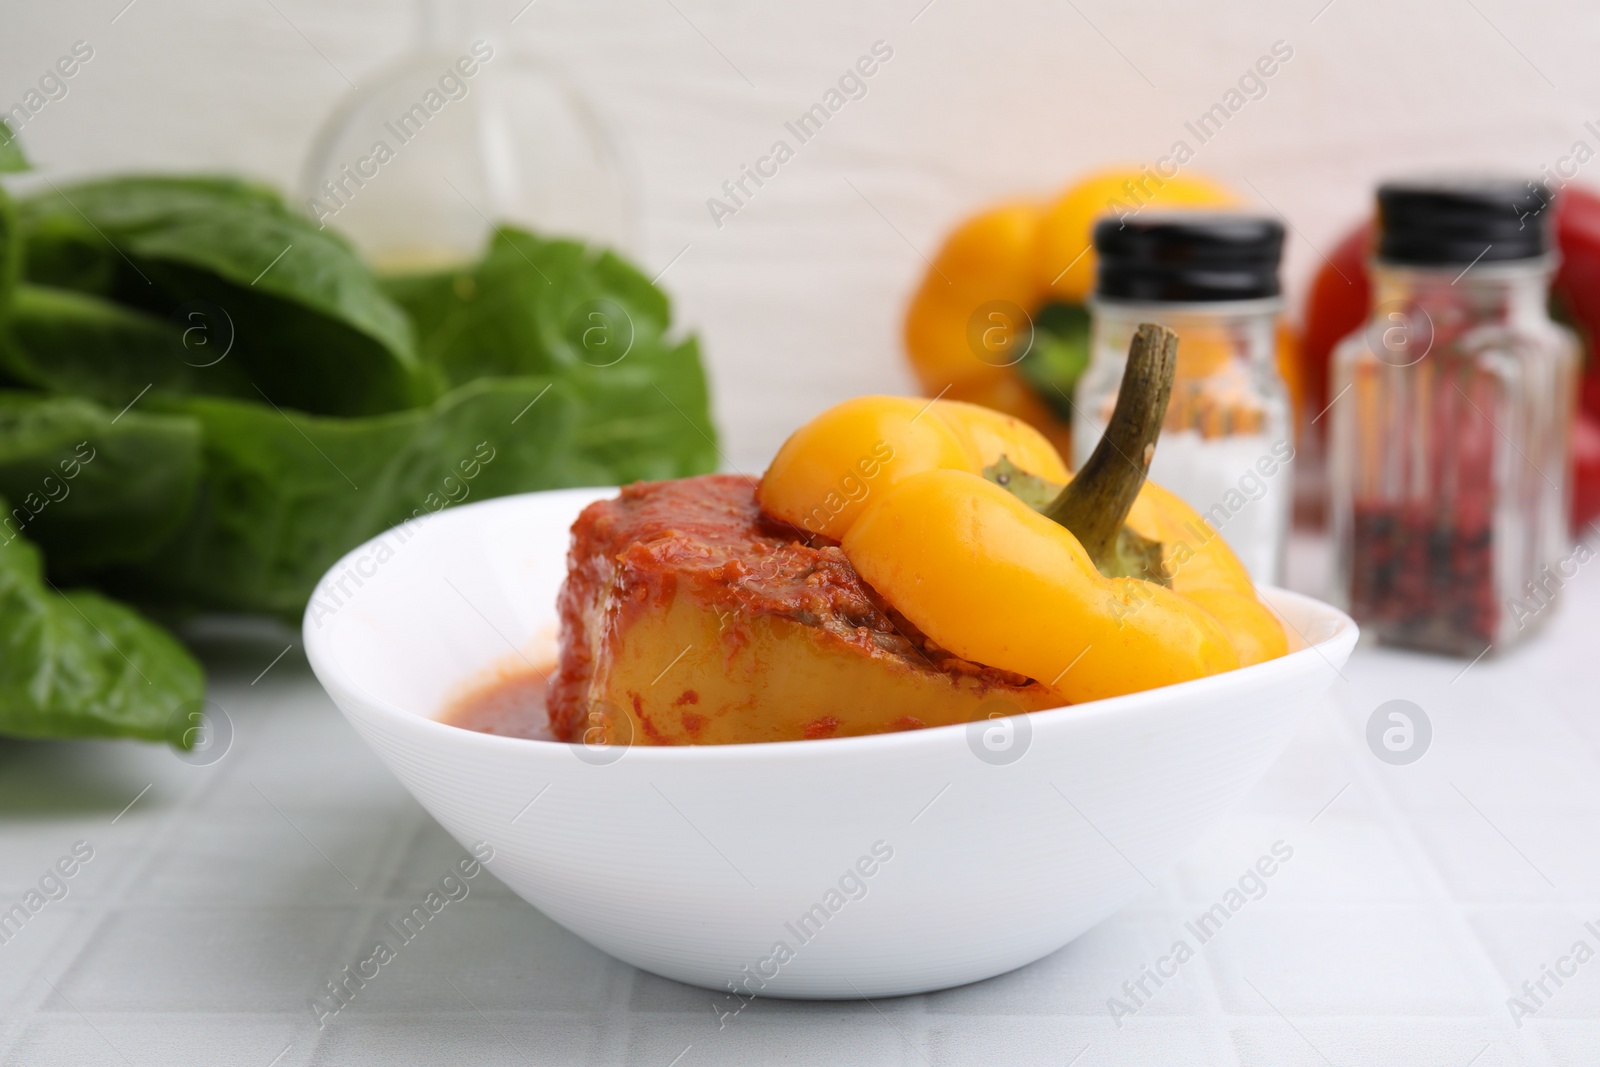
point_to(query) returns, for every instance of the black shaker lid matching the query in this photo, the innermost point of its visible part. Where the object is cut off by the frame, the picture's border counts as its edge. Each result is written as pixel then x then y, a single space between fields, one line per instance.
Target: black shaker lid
pixel 1427 222
pixel 1188 257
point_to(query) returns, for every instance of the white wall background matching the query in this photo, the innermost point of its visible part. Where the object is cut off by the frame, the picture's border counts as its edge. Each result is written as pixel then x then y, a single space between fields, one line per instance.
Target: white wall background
pixel 798 298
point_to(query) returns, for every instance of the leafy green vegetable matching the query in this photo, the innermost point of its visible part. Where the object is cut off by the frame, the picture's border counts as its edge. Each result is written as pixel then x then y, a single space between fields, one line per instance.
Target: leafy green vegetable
pixel 79 665
pixel 525 309
pixel 555 307
pixel 1059 356
pixel 10 252
pixel 210 401
pixel 294 305
pixel 90 486
pixel 285 495
pixel 72 342
pixel 11 157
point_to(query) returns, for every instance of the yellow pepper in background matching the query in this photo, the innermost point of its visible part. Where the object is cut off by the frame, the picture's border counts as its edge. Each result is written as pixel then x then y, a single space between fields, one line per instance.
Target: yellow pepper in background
pixel 1064 270
pixel 999 318
pixel 961 330
pixel 900 483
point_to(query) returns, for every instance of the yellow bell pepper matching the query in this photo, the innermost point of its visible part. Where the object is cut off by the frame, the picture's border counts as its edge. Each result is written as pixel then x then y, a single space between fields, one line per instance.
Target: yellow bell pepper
pixel 834 465
pixel 980 300
pixel 1205 571
pixel 992 580
pixel 988 577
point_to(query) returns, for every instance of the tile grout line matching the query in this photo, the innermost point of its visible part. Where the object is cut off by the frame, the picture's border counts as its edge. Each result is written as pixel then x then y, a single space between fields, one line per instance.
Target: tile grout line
pixel 1486 978
pixel 920 1023
pixel 614 1046
pixel 115 898
pixel 1227 1022
pixel 119 894
pixel 402 845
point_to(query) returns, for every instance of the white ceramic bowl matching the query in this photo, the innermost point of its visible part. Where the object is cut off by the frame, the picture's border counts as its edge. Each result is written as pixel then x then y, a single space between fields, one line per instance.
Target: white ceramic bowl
pixel 883 865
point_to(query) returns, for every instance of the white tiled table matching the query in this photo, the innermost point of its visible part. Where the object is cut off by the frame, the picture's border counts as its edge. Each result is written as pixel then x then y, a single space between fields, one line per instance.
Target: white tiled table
pixel 1417 900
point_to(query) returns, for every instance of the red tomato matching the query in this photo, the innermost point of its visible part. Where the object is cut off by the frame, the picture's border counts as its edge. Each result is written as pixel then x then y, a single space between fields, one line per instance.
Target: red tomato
pixel 1336 307
pixel 1585 470
pixel 1576 290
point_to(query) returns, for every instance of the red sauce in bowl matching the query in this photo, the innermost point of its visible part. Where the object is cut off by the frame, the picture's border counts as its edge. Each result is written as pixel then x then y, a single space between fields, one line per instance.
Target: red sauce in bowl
pixel 512 705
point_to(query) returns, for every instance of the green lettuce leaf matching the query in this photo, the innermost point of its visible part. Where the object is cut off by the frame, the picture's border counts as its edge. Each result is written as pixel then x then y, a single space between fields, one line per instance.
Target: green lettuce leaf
pixel 11 157
pixel 89 486
pixel 284 495
pixel 196 423
pixel 11 252
pixel 65 341
pixel 588 318
pixel 292 305
pixel 79 665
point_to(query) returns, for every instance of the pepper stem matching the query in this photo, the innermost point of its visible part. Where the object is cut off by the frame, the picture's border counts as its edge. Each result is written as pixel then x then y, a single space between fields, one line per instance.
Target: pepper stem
pixel 1095 504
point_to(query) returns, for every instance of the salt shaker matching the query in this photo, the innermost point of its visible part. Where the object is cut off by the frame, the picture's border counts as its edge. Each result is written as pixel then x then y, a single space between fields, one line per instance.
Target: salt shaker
pixel 1226 446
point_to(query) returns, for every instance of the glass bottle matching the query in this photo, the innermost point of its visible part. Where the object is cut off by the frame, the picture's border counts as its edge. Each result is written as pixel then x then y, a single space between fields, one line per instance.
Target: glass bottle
pixel 461 133
pixel 1226 447
pixel 1451 417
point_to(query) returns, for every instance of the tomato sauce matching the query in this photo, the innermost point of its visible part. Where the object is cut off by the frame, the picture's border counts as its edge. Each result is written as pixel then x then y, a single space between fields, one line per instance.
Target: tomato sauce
pixel 513 705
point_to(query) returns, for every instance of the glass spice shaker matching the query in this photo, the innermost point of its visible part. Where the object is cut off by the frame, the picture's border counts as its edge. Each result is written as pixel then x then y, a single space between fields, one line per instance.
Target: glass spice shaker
pixel 1226 446
pixel 1451 420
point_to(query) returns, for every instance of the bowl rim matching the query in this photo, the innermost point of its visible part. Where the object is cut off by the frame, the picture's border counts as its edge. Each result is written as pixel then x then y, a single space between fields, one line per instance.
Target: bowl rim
pixel 1333 650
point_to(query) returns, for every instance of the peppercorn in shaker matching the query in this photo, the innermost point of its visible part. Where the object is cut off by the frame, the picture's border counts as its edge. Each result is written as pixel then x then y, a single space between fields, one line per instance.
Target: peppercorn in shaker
pixel 1226 443
pixel 1450 421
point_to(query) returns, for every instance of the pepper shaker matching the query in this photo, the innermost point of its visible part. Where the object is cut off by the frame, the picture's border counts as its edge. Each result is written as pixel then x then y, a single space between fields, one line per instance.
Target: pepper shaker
pixel 1451 418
